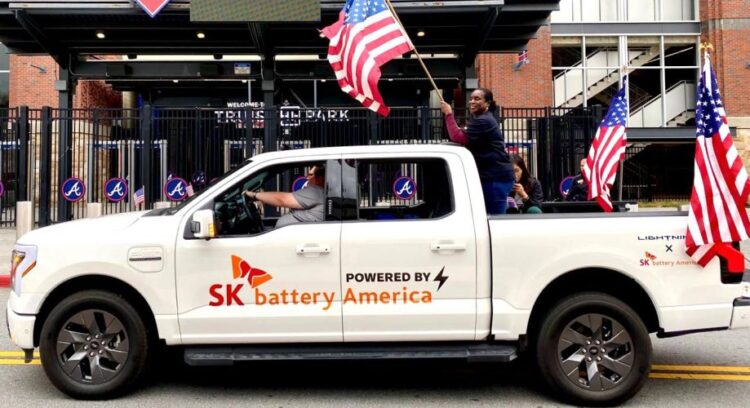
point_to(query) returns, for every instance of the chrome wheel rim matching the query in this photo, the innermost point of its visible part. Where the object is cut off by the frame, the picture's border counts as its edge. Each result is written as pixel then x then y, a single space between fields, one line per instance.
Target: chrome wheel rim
pixel 92 346
pixel 595 352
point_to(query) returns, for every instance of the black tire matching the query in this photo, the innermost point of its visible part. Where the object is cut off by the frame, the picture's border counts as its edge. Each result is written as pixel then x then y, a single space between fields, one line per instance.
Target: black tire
pixel 100 367
pixel 604 376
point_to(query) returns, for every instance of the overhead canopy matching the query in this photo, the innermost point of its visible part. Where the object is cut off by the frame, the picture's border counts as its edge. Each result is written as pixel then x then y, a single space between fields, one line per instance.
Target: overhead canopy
pixel 64 28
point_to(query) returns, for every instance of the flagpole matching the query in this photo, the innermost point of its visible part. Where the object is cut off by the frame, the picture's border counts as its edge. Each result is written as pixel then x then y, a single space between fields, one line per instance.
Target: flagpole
pixel 621 176
pixel 419 57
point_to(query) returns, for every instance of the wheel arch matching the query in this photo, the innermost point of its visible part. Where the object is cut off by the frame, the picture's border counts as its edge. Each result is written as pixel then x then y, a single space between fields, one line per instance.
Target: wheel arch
pixel 97 282
pixel 600 280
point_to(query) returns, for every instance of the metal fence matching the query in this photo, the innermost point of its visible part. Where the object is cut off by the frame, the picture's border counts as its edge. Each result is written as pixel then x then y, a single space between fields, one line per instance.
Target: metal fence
pixel 44 148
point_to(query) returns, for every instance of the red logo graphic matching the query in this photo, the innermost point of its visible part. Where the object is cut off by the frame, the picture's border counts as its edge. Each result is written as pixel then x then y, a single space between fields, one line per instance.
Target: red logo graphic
pixel 242 269
pixel 650 256
pixel 152 7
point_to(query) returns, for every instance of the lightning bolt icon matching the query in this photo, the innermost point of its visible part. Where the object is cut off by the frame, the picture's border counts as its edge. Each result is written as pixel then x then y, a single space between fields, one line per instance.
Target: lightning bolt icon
pixel 440 278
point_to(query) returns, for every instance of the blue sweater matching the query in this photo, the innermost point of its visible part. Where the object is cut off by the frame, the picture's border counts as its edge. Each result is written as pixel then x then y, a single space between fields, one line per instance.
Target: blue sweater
pixel 487 144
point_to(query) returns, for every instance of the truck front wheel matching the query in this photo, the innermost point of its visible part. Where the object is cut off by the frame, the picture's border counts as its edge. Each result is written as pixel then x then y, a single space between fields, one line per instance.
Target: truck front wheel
pixel 593 349
pixel 94 345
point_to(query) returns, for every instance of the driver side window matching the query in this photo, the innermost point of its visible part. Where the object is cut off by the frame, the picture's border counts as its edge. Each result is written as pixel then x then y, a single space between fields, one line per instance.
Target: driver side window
pixel 236 215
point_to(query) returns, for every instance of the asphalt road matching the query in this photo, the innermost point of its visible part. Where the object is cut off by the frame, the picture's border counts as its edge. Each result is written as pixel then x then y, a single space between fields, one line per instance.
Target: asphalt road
pixel 413 383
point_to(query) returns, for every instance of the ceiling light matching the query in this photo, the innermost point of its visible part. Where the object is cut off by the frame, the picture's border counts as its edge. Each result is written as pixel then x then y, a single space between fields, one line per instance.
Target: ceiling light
pixel 100 35
pixel 200 35
pixel 322 80
pixel 420 33
pixel 177 81
pixel 244 81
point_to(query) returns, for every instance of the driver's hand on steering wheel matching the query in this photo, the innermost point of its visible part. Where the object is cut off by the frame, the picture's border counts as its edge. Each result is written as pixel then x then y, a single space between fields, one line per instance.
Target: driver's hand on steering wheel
pixel 251 195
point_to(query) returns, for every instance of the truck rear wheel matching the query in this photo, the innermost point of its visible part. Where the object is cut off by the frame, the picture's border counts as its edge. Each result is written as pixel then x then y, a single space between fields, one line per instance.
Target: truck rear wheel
pixel 94 345
pixel 593 349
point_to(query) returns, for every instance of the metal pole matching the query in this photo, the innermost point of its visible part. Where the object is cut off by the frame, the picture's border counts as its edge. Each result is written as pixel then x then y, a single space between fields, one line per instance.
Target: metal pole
pixel 315 93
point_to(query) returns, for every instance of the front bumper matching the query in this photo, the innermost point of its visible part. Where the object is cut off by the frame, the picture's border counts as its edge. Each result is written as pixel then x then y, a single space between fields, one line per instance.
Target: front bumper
pixel 21 329
pixel 741 313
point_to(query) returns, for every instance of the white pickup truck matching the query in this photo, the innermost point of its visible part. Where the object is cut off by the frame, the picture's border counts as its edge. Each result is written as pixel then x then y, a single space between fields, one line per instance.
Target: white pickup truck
pixel 407 264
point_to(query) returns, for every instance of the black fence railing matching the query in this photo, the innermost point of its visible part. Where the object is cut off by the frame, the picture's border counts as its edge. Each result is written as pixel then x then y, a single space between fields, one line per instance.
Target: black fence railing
pixel 63 159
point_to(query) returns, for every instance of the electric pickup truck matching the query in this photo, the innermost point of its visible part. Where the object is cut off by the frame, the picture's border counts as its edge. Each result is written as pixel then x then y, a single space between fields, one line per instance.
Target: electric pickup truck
pixel 406 264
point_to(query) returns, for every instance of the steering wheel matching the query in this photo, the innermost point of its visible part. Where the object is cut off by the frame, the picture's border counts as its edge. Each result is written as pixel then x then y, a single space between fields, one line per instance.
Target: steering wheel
pixel 256 222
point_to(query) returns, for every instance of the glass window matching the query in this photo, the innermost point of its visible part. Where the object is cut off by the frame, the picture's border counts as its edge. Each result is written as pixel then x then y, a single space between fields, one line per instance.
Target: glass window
pixel 4 86
pixel 645 98
pixel 602 84
pixel 565 14
pixel 642 10
pixel 237 215
pixel 679 94
pixel 585 11
pixel 4 58
pixel 680 52
pixel 568 85
pixel 602 52
pixel 567 75
pixel 677 10
pixel 598 10
pixel 403 189
pixel 643 51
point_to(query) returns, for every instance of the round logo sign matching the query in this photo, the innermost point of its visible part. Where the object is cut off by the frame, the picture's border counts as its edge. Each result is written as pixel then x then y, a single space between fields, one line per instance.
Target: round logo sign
pixel 404 188
pixel 299 183
pixel 175 189
pixel 565 185
pixel 116 189
pixel 73 189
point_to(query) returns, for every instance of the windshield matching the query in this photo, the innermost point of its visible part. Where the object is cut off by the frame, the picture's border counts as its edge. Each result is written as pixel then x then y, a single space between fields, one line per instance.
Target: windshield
pixel 175 209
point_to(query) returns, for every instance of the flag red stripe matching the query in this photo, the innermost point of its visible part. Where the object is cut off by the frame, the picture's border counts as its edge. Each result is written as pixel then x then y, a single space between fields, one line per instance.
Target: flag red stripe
pixel 360 55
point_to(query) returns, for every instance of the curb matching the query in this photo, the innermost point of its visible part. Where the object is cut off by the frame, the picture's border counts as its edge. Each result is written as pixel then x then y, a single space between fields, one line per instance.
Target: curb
pixel 4 281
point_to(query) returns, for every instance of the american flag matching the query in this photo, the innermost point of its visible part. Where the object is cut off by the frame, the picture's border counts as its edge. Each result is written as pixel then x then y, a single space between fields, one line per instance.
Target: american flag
pixel 365 37
pixel 139 196
pixel 607 151
pixel 522 59
pixel 717 214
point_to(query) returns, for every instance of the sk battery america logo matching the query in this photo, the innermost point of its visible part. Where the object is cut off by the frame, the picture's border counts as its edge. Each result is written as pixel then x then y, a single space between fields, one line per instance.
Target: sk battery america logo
pixel 240 270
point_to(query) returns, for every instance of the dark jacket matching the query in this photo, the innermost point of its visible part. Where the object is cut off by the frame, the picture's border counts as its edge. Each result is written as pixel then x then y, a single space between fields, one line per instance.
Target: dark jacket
pixel 579 190
pixel 487 145
pixel 536 196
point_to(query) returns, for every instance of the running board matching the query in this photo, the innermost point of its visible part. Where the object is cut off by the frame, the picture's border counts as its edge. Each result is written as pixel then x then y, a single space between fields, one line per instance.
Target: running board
pixel 471 352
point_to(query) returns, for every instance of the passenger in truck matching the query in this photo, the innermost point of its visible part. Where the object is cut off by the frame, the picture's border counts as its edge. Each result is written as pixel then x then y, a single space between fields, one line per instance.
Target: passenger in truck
pixel 579 190
pixel 527 191
pixel 307 204
pixel 484 139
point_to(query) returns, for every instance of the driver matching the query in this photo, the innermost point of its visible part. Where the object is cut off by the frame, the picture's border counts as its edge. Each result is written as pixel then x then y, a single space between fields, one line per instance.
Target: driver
pixel 307 204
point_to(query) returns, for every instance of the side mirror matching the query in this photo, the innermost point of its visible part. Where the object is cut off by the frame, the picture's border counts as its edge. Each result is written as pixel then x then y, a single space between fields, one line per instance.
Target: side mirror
pixel 202 225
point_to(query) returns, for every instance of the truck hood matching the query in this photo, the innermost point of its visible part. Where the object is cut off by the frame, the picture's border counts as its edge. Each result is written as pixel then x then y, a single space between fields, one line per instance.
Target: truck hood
pixel 84 227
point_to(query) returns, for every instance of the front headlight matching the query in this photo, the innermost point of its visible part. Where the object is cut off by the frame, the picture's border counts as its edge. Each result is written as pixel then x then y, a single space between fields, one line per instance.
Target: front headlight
pixel 22 261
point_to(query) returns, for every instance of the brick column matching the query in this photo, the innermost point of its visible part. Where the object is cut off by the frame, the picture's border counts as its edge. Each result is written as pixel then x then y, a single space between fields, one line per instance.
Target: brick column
pixel 726 25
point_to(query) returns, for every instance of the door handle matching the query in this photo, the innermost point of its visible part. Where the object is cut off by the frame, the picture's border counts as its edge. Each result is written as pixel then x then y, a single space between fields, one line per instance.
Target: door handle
pixel 313 249
pixel 437 246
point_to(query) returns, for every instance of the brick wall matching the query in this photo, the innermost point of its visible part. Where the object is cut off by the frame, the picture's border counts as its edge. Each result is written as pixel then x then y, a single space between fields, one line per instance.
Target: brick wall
pixel 32 83
pixel 726 25
pixel 530 87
